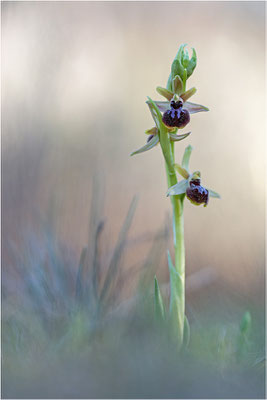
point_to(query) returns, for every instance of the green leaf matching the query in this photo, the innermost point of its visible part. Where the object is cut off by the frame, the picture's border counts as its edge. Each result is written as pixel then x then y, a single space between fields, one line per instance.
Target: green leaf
pixel 177 138
pixel 179 188
pixel 186 338
pixel 152 143
pixel 176 308
pixel 189 93
pixel 182 171
pixel 186 157
pixel 158 302
pixel 192 63
pixel 164 92
pixel 214 194
pixel 177 85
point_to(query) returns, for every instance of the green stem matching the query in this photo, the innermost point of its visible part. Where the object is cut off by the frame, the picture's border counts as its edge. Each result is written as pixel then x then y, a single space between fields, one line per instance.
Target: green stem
pixel 177 272
pixel 179 248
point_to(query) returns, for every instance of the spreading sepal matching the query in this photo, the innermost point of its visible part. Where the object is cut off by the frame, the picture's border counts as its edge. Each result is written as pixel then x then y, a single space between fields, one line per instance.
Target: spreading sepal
pixel 192 108
pixel 149 145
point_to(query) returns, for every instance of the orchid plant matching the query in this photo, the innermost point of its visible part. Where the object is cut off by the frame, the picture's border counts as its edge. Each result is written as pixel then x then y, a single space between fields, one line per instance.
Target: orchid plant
pixel 169 116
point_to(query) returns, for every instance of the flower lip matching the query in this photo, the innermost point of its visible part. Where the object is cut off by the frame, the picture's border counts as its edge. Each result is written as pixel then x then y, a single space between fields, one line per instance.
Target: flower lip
pixel 176 117
pixel 196 193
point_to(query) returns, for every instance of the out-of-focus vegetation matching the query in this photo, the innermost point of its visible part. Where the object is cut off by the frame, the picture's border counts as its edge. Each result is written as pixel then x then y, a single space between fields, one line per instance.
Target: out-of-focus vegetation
pixel 68 333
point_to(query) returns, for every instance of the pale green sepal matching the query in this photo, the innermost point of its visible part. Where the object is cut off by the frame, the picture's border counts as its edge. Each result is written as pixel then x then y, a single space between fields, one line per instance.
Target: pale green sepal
pixel 154 114
pixel 189 93
pixel 177 138
pixel 152 143
pixel 214 194
pixel 182 171
pixel 164 92
pixel 186 338
pixel 158 302
pixel 186 157
pixel 179 188
pixel 162 105
pixel 176 311
pixel 177 85
pixel 193 108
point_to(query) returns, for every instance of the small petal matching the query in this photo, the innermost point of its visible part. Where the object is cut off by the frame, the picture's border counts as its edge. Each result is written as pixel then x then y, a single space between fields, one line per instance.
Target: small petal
pixel 165 93
pixel 189 93
pixel 151 143
pixel 152 131
pixel 182 171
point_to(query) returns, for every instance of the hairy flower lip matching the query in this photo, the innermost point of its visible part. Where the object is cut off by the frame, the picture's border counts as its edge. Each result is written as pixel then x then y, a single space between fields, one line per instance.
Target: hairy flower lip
pixel 197 194
pixel 176 118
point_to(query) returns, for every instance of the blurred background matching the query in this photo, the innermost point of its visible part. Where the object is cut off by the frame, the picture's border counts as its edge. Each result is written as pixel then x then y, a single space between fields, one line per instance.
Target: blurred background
pixel 75 76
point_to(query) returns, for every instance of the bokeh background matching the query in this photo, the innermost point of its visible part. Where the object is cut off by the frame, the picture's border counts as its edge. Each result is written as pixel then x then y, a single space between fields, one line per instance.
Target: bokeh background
pixel 75 76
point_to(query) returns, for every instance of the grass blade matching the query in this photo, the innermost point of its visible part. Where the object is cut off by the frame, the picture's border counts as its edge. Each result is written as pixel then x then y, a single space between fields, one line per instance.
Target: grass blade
pixel 114 263
pixel 158 302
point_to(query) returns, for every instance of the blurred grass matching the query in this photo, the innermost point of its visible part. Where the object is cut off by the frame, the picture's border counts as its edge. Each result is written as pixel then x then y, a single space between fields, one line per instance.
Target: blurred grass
pixel 68 333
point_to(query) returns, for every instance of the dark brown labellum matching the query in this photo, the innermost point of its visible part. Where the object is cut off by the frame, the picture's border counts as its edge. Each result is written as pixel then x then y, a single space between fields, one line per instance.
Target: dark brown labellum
pixel 176 116
pixel 196 193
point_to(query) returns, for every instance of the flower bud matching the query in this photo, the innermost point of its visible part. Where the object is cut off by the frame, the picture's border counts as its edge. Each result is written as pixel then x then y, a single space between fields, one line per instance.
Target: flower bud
pixel 196 193
pixel 182 65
